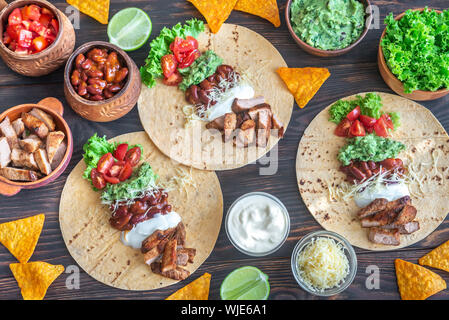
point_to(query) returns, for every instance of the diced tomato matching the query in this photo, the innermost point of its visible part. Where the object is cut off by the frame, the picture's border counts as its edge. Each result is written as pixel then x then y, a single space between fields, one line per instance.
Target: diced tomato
pixel 367 121
pixel 354 114
pixel 189 59
pixel 126 172
pixel 55 25
pixel 45 20
pixel 25 38
pixel 115 170
pixel 15 17
pixel 192 41
pixel 111 180
pixel 120 151
pixel 13 31
pixel 21 50
pixel 26 24
pixel 388 121
pixel 32 12
pixel 169 65
pixel 105 163
pixel 381 128
pixel 343 127
pixel 97 179
pixel 6 38
pixel 38 28
pixel 173 80
pixel 133 156
pixel 47 12
pixel 357 129
pixel 40 43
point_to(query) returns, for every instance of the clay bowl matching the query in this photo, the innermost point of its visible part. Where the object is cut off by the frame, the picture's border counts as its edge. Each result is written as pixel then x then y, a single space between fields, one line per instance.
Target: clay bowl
pixel 46 61
pixel 55 108
pixel 110 109
pixel 327 53
pixel 395 84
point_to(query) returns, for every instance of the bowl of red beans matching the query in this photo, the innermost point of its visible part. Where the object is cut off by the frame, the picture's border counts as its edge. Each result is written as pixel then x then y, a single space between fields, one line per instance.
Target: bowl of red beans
pixel 101 82
pixel 36 38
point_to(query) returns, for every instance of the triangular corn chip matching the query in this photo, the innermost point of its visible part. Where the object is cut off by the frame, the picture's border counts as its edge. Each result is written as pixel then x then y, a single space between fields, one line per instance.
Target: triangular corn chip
pixel 267 9
pixel 34 278
pixel 97 9
pixel 437 258
pixel 416 282
pixel 21 236
pixel 196 290
pixel 216 12
pixel 303 83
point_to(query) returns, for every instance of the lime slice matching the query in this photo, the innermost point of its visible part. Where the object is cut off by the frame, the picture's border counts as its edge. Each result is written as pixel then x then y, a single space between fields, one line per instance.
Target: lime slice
pixel 129 29
pixel 245 283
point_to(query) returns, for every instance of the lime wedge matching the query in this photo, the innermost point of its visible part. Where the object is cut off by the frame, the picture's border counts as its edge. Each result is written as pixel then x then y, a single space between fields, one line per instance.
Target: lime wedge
pixel 245 283
pixel 129 29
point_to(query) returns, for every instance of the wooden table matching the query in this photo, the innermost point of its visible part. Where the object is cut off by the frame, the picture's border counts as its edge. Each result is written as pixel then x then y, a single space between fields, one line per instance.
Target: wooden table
pixel 352 73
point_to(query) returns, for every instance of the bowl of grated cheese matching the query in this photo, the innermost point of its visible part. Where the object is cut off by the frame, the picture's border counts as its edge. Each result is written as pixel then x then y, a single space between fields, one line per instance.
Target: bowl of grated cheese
pixel 324 263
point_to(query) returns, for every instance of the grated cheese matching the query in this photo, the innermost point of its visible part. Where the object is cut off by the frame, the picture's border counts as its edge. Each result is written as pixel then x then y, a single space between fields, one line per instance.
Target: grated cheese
pixel 181 180
pixel 323 264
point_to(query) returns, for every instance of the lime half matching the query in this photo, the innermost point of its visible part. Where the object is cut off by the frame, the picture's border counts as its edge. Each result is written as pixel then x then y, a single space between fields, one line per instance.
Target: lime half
pixel 129 29
pixel 245 283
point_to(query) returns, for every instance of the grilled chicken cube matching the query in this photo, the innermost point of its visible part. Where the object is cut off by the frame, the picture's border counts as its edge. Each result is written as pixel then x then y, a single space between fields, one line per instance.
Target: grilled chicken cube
pixel 42 161
pixel 399 203
pixel 182 258
pixel 44 117
pixel 263 127
pixel 277 125
pixel 217 123
pixel 254 112
pixel 242 105
pixel 18 174
pixel 191 252
pixel 409 227
pixel 175 274
pixel 169 256
pixel 155 239
pixel 5 152
pixel 379 219
pixel 59 155
pixel 8 131
pixel 35 125
pixel 150 256
pixel 374 207
pixel 406 215
pixel 246 134
pixel 54 139
pixel 18 126
pixel 31 143
pixel 21 158
pixel 384 236
pixel 230 124
pixel 180 234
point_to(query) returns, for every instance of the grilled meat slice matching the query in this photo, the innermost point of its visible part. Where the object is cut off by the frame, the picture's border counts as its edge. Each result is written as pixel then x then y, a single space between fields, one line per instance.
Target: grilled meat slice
pixel 242 105
pixel 407 214
pixel 169 256
pixel 18 174
pixel 54 139
pixel 8 131
pixel 399 203
pixel 42 161
pixel 263 127
pixel 254 112
pixel 44 117
pixel 59 155
pixel 35 125
pixel 182 258
pixel 217 123
pixel 230 124
pixel 373 208
pixel 5 152
pixel 150 256
pixel 31 143
pixel 18 126
pixel 379 219
pixel 175 274
pixel 406 228
pixel 191 252
pixel 180 234
pixel 21 158
pixel 246 134
pixel 277 125
pixel 384 236
pixel 155 239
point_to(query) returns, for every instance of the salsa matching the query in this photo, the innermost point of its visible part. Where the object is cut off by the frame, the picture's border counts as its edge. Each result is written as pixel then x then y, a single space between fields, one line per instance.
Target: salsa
pixel 328 24
pixel 30 29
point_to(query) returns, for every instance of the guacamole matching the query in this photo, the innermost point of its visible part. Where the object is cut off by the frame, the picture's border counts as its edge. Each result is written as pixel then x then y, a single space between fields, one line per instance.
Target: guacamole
pixel 328 24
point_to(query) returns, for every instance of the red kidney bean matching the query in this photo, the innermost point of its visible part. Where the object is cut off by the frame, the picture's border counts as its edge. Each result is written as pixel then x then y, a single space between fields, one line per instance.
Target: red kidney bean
pixel 138 207
pixel 97 97
pixel 94 89
pixel 82 88
pixel 94 73
pixel 87 64
pixel 359 175
pixel 107 94
pixel 75 78
pixel 79 60
pixel 203 97
pixel 206 85
pixel 120 223
pixel 121 75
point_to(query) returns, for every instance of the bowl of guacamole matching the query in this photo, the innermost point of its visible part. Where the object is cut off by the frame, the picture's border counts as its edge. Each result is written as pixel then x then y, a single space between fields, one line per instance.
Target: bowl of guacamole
pixel 328 27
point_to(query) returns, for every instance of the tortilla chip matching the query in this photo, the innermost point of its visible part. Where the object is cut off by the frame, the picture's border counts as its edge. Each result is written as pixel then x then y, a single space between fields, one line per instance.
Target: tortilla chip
pixel 437 258
pixel 34 278
pixel 416 282
pixel 195 290
pixel 267 9
pixel 215 11
pixel 303 83
pixel 21 236
pixel 97 9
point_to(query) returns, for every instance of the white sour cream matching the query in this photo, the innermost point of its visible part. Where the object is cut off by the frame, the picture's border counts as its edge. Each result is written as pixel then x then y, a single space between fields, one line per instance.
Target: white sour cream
pixel 257 223
pixel 135 236
pixel 390 192
pixel 242 91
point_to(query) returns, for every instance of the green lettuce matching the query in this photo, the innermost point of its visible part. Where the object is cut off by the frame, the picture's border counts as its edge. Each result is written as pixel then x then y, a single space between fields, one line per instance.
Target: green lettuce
pixel 370 105
pixel 94 149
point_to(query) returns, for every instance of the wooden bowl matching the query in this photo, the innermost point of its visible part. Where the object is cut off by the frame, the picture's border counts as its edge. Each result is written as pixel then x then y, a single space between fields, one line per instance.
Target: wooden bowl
pixel 327 53
pixel 46 61
pixel 110 109
pixel 55 108
pixel 395 84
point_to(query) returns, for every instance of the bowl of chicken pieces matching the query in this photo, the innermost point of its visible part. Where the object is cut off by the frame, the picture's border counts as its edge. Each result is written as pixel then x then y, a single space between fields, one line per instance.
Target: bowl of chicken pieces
pixel 36 145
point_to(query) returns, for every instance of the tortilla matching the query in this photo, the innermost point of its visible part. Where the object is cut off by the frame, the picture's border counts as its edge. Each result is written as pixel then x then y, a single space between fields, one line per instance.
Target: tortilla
pixel 317 167
pixel 96 246
pixel 160 108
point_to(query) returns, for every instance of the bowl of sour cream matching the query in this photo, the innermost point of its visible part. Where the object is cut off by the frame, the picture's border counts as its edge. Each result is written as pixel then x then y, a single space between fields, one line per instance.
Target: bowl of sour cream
pixel 257 224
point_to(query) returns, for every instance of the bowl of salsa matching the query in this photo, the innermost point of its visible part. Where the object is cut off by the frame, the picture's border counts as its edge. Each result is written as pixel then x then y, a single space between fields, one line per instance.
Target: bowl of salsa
pixel 328 28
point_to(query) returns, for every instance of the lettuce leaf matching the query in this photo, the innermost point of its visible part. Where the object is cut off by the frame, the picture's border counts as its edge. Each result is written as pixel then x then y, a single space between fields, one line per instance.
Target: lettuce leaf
pixel 370 105
pixel 94 149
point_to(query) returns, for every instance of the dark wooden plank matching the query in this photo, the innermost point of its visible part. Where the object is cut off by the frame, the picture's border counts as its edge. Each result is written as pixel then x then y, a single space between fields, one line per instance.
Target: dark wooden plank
pixel 352 73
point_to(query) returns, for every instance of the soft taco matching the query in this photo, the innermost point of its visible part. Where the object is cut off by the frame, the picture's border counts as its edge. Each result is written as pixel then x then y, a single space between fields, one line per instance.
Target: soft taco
pixel 379 178
pixel 143 228
pixel 221 105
